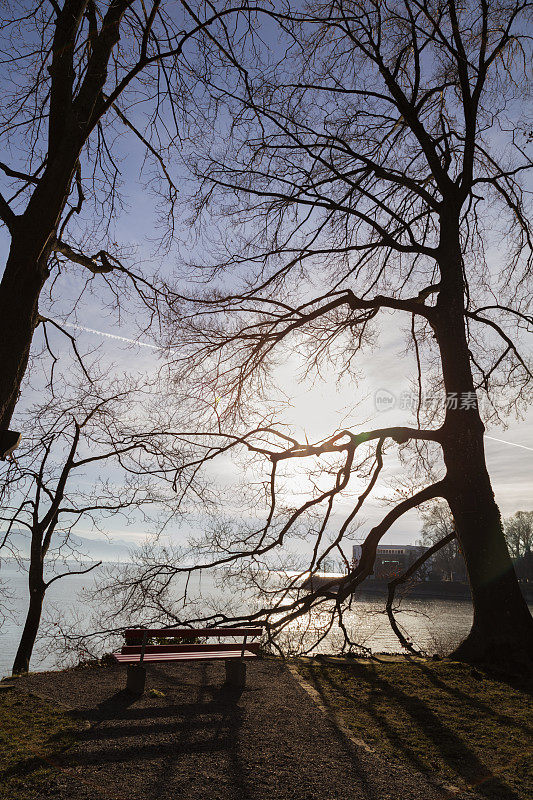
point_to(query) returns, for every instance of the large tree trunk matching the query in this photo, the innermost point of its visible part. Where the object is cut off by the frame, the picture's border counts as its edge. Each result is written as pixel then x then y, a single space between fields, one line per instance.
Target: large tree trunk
pixel 502 629
pixel 33 238
pixel 20 288
pixel 31 627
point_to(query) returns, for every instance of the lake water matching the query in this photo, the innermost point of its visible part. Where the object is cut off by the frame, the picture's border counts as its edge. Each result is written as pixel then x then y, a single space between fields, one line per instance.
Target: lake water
pixel 434 624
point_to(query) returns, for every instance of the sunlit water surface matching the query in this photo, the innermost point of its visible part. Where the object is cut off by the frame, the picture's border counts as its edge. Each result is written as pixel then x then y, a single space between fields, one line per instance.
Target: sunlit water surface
pixel 435 625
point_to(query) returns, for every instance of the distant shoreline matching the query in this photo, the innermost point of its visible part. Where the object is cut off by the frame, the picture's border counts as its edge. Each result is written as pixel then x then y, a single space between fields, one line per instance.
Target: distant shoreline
pixel 438 590
pixel 449 590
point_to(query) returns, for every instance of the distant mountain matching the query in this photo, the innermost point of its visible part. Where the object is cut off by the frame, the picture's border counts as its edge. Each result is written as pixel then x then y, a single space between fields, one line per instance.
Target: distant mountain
pixel 92 549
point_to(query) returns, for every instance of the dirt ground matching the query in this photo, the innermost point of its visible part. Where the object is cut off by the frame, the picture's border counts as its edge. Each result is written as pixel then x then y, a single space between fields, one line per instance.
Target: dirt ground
pixel 195 739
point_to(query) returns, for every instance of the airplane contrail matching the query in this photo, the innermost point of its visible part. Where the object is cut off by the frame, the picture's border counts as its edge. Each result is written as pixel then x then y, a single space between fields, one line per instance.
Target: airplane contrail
pixel 111 335
pixel 155 347
pixel 513 444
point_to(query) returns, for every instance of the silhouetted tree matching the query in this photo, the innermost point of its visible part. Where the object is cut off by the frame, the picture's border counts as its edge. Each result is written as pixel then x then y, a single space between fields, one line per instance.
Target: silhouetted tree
pixel 371 169
pixel 76 76
pixel 519 533
pixel 91 456
pixel 437 524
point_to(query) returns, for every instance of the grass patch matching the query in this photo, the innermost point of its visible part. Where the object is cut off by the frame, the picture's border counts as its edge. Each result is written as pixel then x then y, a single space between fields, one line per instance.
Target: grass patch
pixel 441 717
pixel 33 733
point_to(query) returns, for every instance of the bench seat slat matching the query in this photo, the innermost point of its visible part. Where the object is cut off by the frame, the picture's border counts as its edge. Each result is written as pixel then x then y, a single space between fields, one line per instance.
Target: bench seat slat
pixel 134 658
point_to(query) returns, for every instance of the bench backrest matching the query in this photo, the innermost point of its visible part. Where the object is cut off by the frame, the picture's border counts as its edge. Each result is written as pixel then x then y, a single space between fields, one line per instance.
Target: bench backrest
pixel 137 635
pixel 137 640
pixel 127 649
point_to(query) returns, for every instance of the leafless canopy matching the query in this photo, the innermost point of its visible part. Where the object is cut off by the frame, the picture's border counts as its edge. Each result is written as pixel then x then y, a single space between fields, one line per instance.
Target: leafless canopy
pixel 378 153
pixel 95 97
pixel 92 457
pixel 370 161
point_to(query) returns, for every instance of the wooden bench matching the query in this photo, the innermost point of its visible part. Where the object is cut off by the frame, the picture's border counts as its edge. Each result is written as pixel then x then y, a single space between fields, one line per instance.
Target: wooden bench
pixel 136 651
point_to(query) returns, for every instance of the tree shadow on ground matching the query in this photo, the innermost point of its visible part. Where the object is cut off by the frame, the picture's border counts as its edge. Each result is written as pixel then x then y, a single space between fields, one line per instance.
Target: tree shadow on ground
pixel 199 741
pixel 453 749
pixel 475 702
pixel 160 739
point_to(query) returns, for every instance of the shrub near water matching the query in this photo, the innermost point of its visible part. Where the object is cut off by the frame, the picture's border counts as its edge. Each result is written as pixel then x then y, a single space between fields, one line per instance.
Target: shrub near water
pixel 445 718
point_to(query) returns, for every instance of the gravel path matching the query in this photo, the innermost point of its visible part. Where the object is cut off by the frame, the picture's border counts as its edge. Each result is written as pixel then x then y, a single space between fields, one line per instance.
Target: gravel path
pixel 202 741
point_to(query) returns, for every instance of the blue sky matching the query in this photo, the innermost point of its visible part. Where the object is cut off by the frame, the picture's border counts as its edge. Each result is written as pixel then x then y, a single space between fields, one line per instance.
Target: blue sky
pixel 316 409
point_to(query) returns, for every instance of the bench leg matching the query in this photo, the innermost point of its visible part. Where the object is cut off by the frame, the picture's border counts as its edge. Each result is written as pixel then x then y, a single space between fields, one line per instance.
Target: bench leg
pixel 136 679
pixel 236 673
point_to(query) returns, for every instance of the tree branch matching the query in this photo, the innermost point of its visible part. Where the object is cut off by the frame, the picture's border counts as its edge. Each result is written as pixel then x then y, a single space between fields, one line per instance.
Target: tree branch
pixel 74 572
pixel 369 546
pixel 44 320
pixel 511 345
pixel 157 155
pixel 13 173
pixel 7 215
pixel 402 579
pixel 87 261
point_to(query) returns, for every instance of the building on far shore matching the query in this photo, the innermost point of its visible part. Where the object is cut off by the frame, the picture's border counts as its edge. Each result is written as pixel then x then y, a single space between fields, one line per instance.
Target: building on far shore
pixel 392 559
pixel 435 577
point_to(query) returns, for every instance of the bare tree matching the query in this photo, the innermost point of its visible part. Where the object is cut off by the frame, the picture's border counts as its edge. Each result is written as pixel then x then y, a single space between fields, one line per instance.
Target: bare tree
pixel 6 598
pixel 438 524
pixel 441 543
pixel 519 533
pixel 78 75
pixel 91 456
pixel 371 170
